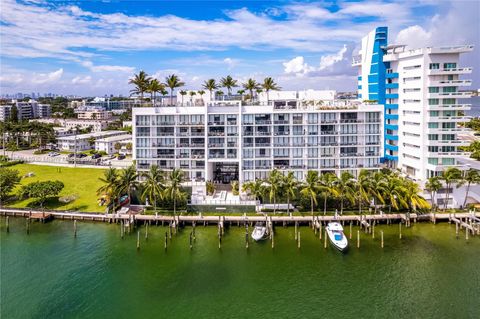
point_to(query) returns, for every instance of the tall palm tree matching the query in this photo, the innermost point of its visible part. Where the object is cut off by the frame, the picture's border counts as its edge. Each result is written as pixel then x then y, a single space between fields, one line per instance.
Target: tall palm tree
pixel 173 81
pixel 173 189
pixel 412 196
pixel 327 188
pixel 210 85
pixel 345 186
pixel 128 180
pixel 183 93
pixel 255 188
pixel 201 93
pixel 229 83
pixel 110 186
pixel 163 93
pixel 153 185
pixel 362 186
pixel 450 176
pixel 310 188
pixel 192 94
pixel 251 85
pixel 433 185
pixel 377 188
pixel 269 85
pixel 141 82
pixel 153 88
pixel 470 177
pixel 393 192
pixel 289 187
pixel 274 181
pixel 241 92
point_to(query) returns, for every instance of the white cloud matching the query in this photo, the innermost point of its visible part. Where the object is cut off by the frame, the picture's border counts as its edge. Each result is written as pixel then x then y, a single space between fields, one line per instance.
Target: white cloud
pixel 296 66
pixel 82 80
pixel 107 68
pixel 43 78
pixel 329 60
pixel 231 63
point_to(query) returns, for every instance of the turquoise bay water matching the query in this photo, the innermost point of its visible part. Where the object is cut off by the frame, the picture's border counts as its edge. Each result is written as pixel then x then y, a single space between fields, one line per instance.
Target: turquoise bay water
pixel 50 274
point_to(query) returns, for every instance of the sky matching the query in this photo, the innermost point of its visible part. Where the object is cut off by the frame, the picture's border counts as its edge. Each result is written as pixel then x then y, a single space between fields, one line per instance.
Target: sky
pixel 92 48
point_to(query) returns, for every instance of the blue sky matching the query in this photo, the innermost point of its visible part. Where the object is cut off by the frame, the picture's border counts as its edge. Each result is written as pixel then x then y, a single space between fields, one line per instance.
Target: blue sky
pixel 93 47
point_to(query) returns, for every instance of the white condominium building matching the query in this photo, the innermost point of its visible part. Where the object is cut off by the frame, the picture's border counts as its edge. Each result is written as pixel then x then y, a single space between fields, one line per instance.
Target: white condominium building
pixel 421 91
pixel 225 141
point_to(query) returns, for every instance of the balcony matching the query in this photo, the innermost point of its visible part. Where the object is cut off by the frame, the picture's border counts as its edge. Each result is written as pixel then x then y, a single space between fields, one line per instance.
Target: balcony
pixel 451 83
pixel 449 71
pixel 447 154
pixel 393 75
pixel 391 116
pixel 391 85
pixel 452 107
pixel 391 96
pixel 453 95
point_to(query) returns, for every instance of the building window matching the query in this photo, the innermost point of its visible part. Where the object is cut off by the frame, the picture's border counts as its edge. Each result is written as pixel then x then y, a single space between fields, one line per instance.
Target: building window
pixel 434 66
pixel 433 161
pixel 448 161
pixel 433 137
pixel 449 89
pixel 433 89
pixel 433 113
pixel 450 65
pixel 433 101
pixel 432 125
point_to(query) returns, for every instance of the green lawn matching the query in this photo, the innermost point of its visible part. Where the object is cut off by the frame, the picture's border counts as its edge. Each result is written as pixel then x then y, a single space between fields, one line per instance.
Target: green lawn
pixel 82 182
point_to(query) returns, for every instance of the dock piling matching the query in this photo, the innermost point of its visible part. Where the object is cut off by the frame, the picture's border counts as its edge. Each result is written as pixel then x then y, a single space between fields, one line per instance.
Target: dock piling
pixel 400 229
pixel 138 240
pixel 166 240
pixel 381 236
pixel 350 230
pixel 299 240
pixel 325 240
pixel 358 238
pixel 28 226
pixel 74 228
pixel 7 222
pixel 146 231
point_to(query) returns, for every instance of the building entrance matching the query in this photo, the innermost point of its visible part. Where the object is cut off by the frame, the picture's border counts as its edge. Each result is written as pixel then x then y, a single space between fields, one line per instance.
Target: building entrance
pixel 225 172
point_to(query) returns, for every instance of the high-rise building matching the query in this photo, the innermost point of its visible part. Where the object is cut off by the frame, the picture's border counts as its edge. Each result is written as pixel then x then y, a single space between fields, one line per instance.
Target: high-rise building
pixel 419 89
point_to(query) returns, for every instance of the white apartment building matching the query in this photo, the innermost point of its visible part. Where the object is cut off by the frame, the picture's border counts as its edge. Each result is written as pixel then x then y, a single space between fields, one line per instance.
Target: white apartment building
pixel 72 124
pixel 94 115
pixel 420 90
pixel 25 110
pixel 107 144
pixel 225 141
pixel 83 142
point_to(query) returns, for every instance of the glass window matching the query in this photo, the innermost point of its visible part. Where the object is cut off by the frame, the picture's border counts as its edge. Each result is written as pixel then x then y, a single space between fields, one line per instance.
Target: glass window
pixel 433 101
pixel 433 89
pixel 433 113
pixel 450 65
pixel 433 161
pixel 432 125
pixel 434 66
pixel 449 89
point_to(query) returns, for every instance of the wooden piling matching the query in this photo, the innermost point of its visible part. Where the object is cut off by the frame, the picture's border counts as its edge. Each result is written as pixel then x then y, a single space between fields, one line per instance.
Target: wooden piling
pixel 166 240
pixel 191 240
pixel 146 231
pixel 246 240
pixel 28 226
pixel 273 240
pixel 381 236
pixel 138 240
pixel 320 235
pixel 7 222
pixel 358 238
pixel 373 230
pixel 456 230
pixel 122 229
pixel 400 229
pixel 466 233
pixel 74 228
pixel 325 240
pixel 350 230
pixel 298 240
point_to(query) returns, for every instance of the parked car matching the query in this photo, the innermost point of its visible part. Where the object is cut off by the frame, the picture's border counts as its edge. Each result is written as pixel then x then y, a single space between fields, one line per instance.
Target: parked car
pixel 96 155
pixel 121 156
pixel 81 155
pixel 71 155
pixel 53 154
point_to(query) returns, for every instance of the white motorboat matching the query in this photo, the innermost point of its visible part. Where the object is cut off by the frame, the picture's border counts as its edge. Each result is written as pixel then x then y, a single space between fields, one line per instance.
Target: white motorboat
pixel 259 232
pixel 336 236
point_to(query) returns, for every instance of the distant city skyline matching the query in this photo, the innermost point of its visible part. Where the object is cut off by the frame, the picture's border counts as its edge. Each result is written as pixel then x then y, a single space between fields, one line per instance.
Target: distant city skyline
pixel 92 48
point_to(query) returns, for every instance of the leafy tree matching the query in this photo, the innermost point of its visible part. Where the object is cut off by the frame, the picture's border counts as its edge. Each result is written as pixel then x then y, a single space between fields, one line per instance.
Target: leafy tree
pixel 251 85
pixel 183 93
pixel 128 181
pixel 173 188
pixel 289 187
pixel 201 93
pixel 327 188
pixel 273 181
pixel 153 185
pixel 41 190
pixel 9 178
pixel 470 177
pixel 345 187
pixel 141 82
pixel 210 186
pixel 117 146
pixel 254 188
pixel 310 188
pixel 14 114
pixel 110 187
pixel 450 176
pixel 412 197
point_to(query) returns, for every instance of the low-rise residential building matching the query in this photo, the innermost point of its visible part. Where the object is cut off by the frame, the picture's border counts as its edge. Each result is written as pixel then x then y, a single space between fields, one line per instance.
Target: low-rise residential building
pixel 96 125
pixel 25 110
pixel 83 142
pixel 108 144
pixel 94 115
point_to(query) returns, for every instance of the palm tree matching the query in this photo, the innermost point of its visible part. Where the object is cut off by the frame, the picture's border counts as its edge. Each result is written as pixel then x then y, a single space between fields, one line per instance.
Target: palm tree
pixel 163 93
pixel 173 81
pixel 327 188
pixel 153 87
pixel 377 188
pixel 251 85
pixel 153 185
pixel 362 187
pixel 128 180
pixel 345 186
pixel 270 85
pixel 210 85
pixel 229 83
pixel 289 187
pixel 218 94
pixel 254 188
pixel 173 188
pixel 470 177
pixel 183 93
pixel 241 92
pixel 192 94
pixel 393 191
pixel 273 181
pixel 310 188
pixel 141 82
pixel 110 186
pixel 201 93
pixel 450 176
pixel 412 197
pixel 433 185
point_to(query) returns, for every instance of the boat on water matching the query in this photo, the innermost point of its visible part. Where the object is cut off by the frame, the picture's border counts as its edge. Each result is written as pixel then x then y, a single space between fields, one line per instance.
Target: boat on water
pixel 260 232
pixel 336 236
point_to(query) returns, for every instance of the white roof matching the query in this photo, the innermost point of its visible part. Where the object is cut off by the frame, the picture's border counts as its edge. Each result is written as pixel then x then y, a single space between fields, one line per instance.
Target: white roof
pixel 116 138
pixel 100 134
